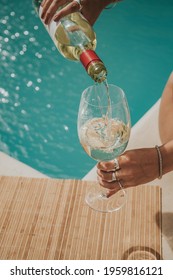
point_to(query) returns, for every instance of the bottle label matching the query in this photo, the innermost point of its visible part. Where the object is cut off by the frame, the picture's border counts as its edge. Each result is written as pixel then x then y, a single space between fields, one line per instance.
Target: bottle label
pixel 87 57
pixel 51 27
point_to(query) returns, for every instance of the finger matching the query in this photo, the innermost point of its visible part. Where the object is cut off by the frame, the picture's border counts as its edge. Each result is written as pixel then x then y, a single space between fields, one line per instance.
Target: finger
pixel 106 166
pixel 107 176
pixel 113 185
pixel 70 8
pixel 111 192
pixel 43 3
pixel 50 12
pixel 45 6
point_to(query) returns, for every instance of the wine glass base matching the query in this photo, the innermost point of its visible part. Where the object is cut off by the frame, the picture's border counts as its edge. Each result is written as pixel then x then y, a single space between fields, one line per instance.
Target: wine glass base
pixel 99 201
pixel 141 255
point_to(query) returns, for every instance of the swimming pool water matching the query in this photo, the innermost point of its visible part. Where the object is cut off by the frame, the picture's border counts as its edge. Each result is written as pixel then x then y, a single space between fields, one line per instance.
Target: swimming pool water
pixel 40 90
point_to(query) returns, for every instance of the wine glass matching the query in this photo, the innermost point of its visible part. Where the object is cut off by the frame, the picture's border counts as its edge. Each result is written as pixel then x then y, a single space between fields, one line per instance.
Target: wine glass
pixel 104 130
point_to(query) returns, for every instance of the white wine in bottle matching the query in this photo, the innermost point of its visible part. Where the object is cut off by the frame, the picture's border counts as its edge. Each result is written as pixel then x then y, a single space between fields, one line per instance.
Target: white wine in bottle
pixel 76 40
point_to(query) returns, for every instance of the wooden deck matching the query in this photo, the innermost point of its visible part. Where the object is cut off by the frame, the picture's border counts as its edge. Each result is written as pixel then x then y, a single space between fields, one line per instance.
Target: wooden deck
pixel 49 219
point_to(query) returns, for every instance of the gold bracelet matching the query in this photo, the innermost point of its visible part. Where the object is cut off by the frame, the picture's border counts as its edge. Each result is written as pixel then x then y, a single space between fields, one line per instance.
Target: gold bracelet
pixel 160 162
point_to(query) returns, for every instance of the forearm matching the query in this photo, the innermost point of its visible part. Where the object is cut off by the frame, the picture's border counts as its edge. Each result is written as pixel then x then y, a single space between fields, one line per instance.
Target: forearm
pixel 166 112
pixel 167 156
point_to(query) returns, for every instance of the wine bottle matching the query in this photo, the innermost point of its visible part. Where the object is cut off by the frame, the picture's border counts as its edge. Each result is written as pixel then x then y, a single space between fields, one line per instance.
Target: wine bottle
pixel 76 40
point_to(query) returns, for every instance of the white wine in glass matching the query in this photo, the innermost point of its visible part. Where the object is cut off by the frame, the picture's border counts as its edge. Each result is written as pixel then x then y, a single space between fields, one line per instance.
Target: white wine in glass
pixel 104 130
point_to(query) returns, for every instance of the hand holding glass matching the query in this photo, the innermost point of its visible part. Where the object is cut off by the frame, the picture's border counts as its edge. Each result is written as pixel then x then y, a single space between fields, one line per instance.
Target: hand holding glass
pixel 104 130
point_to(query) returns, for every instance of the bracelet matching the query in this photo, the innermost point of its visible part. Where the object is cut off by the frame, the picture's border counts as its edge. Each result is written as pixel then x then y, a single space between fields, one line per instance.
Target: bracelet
pixel 110 6
pixel 160 162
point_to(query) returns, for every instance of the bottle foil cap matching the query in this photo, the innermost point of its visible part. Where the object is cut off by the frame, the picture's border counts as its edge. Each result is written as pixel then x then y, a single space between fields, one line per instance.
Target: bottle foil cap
pixel 87 57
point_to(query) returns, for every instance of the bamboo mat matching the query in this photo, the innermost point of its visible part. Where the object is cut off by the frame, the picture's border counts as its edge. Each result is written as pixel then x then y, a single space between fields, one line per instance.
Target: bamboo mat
pixel 48 219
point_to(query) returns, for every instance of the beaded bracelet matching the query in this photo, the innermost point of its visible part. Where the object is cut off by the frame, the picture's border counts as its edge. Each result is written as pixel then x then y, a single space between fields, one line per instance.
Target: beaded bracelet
pixel 160 162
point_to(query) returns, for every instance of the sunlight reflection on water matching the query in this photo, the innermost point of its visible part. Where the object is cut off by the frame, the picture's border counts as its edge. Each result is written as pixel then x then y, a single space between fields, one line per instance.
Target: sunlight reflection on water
pixel 38 120
pixel 40 90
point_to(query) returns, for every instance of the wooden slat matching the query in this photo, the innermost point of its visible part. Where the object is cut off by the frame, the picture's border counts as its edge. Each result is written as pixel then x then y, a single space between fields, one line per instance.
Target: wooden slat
pixel 49 219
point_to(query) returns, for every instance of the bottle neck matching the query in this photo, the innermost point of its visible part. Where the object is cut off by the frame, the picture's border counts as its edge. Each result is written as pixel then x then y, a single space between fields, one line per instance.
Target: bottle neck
pixel 82 46
pixel 93 65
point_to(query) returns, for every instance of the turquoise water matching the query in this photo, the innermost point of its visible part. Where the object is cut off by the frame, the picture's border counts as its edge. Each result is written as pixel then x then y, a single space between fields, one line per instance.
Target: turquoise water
pixel 40 90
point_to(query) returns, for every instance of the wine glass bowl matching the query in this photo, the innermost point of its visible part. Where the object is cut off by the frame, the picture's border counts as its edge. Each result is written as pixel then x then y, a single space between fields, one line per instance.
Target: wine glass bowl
pixel 104 131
